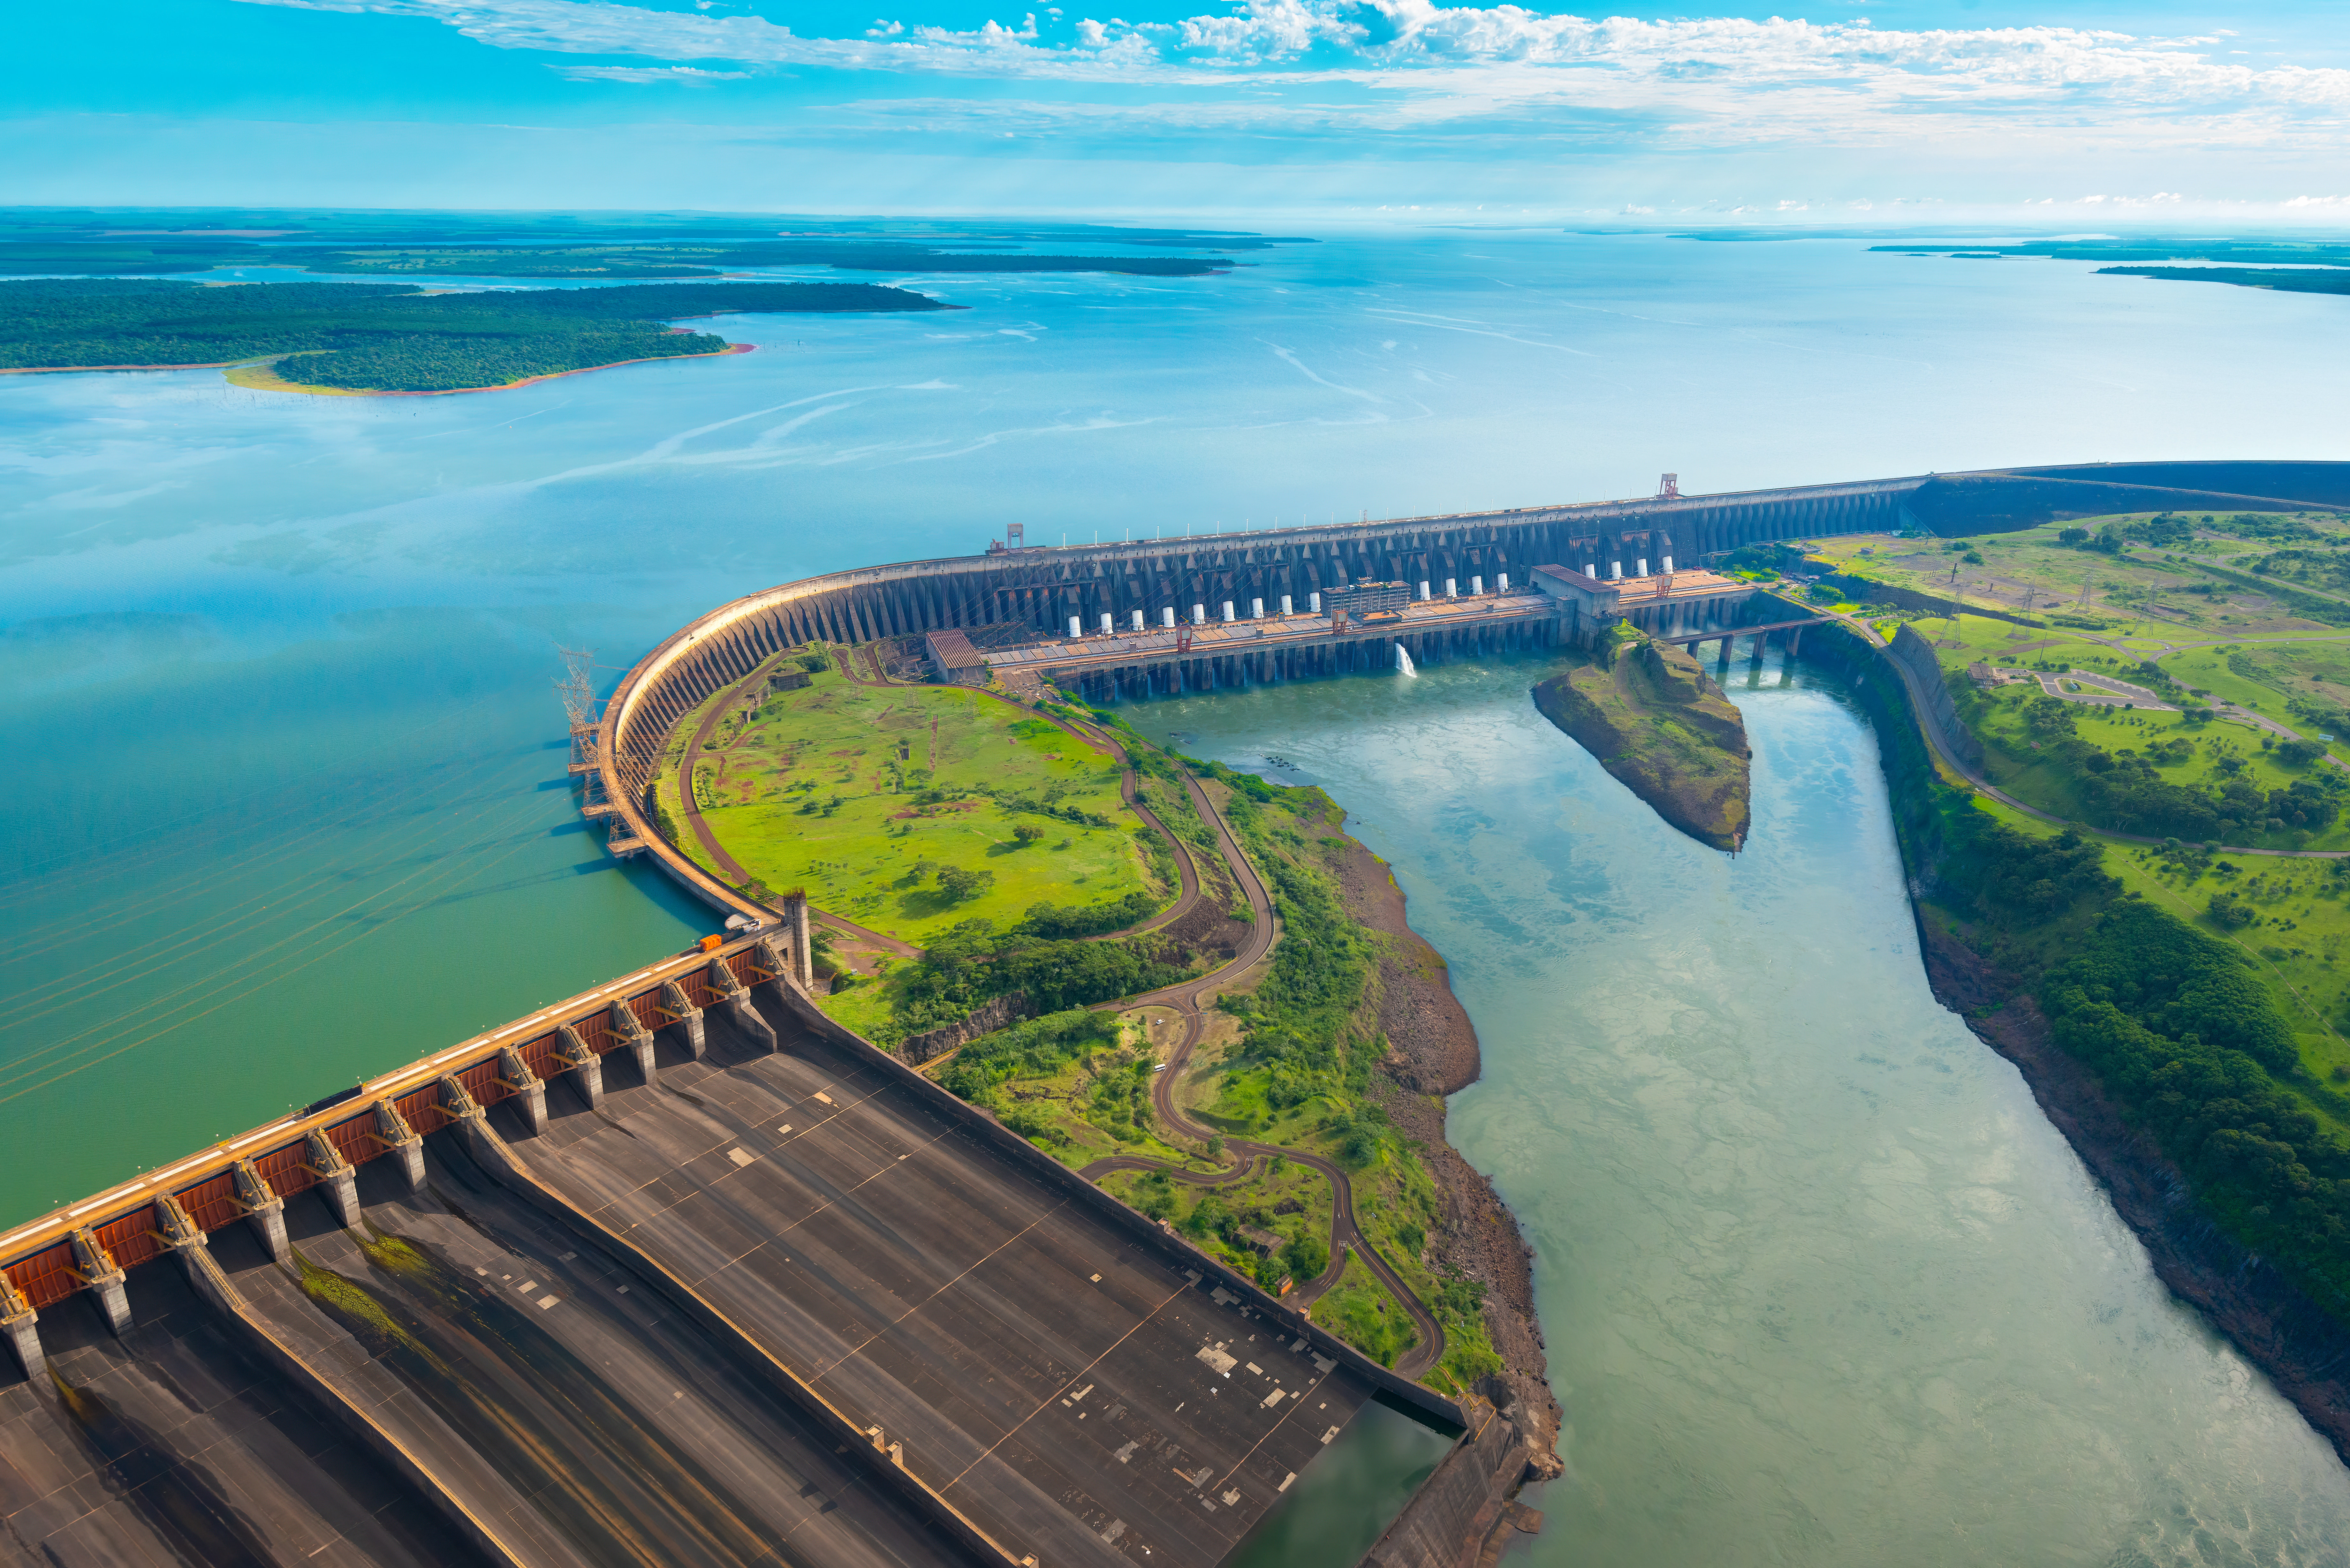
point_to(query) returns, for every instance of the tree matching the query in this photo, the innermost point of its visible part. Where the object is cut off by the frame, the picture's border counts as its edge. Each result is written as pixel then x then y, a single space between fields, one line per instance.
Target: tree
pixel 1026 834
pixel 961 884
pixel 1307 1256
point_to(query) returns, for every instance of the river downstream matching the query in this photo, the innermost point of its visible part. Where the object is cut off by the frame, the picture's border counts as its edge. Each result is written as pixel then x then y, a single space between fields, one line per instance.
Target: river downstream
pixel 1820 1284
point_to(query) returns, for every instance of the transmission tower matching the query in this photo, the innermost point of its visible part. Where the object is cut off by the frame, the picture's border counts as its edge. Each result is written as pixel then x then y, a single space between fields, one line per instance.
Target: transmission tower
pixel 579 705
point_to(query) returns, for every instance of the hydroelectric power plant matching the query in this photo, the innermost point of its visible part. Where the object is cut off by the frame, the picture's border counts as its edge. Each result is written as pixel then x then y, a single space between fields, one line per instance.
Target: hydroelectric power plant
pixel 681 1270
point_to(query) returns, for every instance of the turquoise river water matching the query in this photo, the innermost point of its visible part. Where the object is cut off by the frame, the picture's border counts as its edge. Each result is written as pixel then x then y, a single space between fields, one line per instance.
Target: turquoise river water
pixel 1820 1285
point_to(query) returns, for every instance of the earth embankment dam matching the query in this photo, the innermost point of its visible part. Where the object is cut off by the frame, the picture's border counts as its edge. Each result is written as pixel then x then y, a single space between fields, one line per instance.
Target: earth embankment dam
pixel 678 1270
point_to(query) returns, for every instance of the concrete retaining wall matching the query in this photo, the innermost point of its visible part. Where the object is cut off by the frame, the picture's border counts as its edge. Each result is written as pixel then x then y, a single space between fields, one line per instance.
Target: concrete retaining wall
pixel 1915 654
pixel 1453 1518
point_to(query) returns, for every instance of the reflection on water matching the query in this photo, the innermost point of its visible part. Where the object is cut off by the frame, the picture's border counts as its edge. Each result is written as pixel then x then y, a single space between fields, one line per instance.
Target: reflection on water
pixel 1820 1284
pixel 1334 1511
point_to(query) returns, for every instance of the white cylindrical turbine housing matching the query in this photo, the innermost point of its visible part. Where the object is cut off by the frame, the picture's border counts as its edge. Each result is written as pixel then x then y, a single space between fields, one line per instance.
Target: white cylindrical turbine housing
pixel 1644 566
pixel 1167 618
pixel 1198 615
pixel 1284 605
pixel 1256 609
pixel 1228 610
pixel 1669 565
pixel 1477 584
pixel 1423 587
pixel 1615 570
pixel 1501 580
pixel 1137 620
pixel 1076 626
pixel 1451 587
pixel 1313 604
pixel 1105 623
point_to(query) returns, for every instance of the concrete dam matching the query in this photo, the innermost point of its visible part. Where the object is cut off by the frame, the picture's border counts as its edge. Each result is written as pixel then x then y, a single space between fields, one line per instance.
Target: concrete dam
pixel 678 1270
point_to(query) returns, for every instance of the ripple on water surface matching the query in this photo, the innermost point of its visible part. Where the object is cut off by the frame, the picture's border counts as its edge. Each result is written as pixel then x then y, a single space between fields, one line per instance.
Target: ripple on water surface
pixel 1821 1285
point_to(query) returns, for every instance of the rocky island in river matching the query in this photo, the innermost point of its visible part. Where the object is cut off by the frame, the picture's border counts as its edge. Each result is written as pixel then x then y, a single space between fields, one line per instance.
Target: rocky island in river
pixel 1661 727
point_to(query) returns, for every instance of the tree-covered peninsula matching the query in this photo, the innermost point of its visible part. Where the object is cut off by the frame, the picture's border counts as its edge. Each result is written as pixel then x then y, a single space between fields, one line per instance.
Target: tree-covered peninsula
pixel 1654 721
pixel 386 338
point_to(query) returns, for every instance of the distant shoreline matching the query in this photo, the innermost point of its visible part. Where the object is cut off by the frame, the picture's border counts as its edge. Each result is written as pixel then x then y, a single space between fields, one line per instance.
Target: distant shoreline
pixel 257 374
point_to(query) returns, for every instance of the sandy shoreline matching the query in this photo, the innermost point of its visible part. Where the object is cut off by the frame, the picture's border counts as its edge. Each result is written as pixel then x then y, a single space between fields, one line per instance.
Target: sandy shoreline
pixel 261 376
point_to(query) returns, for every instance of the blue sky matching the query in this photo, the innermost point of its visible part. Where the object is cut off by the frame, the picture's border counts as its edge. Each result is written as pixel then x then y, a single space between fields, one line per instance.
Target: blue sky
pixel 1857 112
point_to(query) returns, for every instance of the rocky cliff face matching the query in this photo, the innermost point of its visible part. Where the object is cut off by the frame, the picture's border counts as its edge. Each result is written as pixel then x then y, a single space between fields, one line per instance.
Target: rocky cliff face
pixel 1661 727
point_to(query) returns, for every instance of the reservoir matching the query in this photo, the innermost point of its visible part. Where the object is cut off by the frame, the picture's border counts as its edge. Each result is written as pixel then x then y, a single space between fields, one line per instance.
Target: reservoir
pixel 1820 1284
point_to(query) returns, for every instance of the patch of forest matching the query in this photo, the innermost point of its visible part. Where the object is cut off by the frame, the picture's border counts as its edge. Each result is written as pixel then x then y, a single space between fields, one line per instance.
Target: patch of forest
pixel 602 260
pixel 126 242
pixel 2285 280
pixel 2145 248
pixel 386 338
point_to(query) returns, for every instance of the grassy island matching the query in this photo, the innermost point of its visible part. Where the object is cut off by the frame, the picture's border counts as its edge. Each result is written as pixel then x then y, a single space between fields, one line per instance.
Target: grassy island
pixel 385 338
pixel 1664 730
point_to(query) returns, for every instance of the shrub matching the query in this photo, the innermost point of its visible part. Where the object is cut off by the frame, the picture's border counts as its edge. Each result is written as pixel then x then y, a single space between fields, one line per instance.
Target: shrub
pixel 2229 913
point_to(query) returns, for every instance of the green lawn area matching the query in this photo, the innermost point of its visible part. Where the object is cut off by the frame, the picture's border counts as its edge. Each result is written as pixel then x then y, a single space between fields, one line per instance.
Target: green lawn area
pixel 2152 587
pixel 865 795
pixel 2181 749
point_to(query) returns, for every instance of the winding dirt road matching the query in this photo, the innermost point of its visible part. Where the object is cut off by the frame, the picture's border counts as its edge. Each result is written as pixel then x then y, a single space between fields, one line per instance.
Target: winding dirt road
pixel 1188 1000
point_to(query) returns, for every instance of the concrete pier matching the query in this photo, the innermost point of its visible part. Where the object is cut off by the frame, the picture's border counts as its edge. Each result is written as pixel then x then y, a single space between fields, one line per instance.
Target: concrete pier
pixel 102 1277
pixel 337 1183
pixel 400 1139
pixel 685 1017
pixel 630 1030
pixel 737 998
pixel 527 1088
pixel 585 1067
pixel 264 1211
pixel 19 1324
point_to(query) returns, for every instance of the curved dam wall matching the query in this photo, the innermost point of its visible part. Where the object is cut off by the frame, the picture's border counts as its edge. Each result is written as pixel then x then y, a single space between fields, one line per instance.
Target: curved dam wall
pixel 1034 592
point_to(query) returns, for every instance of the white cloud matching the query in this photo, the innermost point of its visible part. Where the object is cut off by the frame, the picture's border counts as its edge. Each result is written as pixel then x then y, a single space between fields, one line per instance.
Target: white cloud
pixel 1705 81
pixel 646 74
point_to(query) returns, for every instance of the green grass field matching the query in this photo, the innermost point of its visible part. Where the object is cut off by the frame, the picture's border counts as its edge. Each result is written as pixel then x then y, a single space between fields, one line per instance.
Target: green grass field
pixel 2297 942
pixel 2162 593
pixel 2183 751
pixel 865 795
